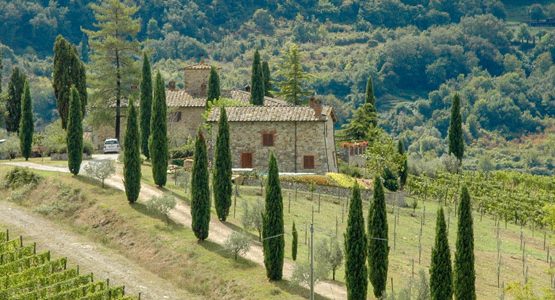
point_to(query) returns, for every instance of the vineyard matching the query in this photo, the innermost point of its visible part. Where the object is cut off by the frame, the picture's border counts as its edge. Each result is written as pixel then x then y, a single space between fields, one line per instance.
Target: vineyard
pixel 26 274
pixel 509 196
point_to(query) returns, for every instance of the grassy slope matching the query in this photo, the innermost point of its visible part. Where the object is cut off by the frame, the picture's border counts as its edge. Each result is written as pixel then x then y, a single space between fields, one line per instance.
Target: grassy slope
pixel 170 251
pixel 407 240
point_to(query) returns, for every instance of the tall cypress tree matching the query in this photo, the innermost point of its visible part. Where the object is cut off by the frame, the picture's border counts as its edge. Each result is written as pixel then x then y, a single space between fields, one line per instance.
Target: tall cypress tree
pixel 145 105
pixel 222 170
pixel 13 105
pixel 213 85
pixel 272 232
pixel 267 79
pixel 456 141
pixel 378 249
pixel 200 191
pixel 132 156
pixel 356 272
pixel 84 48
pixel 158 140
pixel 68 70
pixel 1 69
pixel 257 81
pixel 369 97
pixel 465 276
pixel 295 242
pixel 26 127
pixel 74 133
pixel 441 277
pixel 404 169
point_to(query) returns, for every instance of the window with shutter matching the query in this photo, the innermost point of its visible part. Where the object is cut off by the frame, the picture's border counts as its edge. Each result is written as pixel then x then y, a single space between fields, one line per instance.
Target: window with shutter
pixel 308 162
pixel 246 160
pixel 267 139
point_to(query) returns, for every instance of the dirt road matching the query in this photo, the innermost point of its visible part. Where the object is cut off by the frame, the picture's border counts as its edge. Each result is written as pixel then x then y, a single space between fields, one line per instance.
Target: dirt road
pixel 90 256
pixel 218 231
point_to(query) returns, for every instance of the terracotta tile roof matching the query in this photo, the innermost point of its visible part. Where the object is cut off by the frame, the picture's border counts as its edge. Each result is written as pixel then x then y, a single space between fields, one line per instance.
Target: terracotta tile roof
pixel 268 101
pixel 181 98
pixel 199 66
pixel 271 114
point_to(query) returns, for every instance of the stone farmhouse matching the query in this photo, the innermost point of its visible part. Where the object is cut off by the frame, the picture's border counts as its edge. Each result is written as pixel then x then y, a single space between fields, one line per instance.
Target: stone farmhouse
pixel 302 137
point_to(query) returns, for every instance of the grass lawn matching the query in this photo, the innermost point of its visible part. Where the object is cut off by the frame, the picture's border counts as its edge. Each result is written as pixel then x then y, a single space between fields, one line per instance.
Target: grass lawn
pixel 406 250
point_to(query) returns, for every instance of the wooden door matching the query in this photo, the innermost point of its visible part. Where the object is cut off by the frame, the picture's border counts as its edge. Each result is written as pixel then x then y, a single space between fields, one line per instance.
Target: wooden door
pixel 246 160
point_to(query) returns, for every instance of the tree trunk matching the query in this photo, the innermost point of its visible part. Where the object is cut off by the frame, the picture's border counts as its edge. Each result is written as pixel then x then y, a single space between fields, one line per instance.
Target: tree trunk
pixel 118 96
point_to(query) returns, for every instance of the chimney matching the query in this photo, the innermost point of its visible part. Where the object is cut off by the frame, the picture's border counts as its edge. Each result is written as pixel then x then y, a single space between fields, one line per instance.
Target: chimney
pixel 171 85
pixel 316 105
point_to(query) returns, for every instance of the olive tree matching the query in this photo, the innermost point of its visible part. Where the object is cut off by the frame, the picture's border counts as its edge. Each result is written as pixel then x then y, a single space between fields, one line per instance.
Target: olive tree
pixel 100 169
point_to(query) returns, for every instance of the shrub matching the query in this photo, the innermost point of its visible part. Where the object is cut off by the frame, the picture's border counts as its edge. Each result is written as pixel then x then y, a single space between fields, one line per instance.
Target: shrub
pixel 252 216
pixel 237 243
pixel 18 177
pixel 100 169
pixel 350 170
pixel 55 138
pixel 342 180
pixel 309 179
pixel 162 205
pixel 184 151
pixel 10 148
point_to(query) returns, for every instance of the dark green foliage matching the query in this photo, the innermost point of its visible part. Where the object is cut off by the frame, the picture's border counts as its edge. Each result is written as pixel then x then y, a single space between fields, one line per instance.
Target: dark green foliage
pixel 456 138
pixel 68 71
pixel 295 242
pixel 13 105
pixel 356 272
pixel 18 177
pixel 267 79
pixel 26 127
pixel 465 277
pixel 158 140
pixel 441 277
pixel 200 191
pixel 145 105
pixel 213 85
pixel 1 69
pixel 132 156
pixel 369 96
pixel 74 133
pixel 404 169
pixel 357 128
pixel 257 81
pixel 390 179
pixel 222 170
pixel 378 249
pixel 85 48
pixel 272 229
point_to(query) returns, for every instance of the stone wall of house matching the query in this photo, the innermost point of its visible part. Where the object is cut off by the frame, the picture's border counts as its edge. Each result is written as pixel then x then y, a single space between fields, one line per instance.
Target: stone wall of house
pixel 196 82
pixel 188 122
pixel 312 139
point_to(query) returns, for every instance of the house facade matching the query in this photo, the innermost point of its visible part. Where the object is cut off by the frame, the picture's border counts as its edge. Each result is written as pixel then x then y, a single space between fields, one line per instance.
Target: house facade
pixel 301 137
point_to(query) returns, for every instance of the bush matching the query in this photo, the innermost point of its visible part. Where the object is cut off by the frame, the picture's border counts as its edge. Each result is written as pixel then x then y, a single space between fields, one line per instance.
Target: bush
pixel 252 216
pixel 87 148
pixel 55 138
pixel 309 179
pixel 162 205
pixel 237 243
pixel 184 151
pixel 350 170
pixel 100 169
pixel 342 180
pixel 19 177
pixel 10 148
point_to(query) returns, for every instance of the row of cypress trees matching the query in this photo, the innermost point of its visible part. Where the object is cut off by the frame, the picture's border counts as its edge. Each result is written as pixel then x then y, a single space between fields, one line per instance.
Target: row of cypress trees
pixel 444 281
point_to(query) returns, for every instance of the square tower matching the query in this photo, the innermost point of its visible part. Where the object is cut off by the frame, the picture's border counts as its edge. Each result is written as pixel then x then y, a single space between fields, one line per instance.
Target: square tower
pixel 196 79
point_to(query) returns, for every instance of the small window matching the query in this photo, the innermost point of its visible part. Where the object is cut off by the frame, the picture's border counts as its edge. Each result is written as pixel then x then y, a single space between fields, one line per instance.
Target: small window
pixel 267 139
pixel 246 160
pixel 175 116
pixel 308 162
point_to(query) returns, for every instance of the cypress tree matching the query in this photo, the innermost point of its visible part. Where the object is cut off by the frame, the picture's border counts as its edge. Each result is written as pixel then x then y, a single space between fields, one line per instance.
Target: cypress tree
pixel 222 171
pixel 26 127
pixel 84 48
pixel 273 230
pixel 132 156
pixel 356 272
pixel 200 191
pixel 295 243
pixel 404 169
pixel 74 133
pixel 257 81
pixel 213 85
pixel 158 140
pixel 369 96
pixel 267 79
pixel 68 71
pixel 441 277
pixel 13 105
pixel 1 69
pixel 456 142
pixel 465 276
pixel 145 105
pixel 378 248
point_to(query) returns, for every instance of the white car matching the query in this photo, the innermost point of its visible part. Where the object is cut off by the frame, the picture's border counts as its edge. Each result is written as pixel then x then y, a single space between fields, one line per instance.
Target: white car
pixel 111 146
